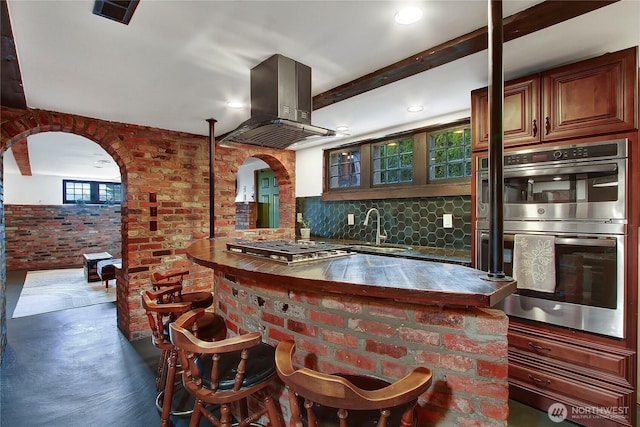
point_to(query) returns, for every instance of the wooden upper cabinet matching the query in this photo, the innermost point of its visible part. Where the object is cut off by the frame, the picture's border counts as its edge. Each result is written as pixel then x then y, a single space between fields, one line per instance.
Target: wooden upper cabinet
pixel 521 113
pixel 591 97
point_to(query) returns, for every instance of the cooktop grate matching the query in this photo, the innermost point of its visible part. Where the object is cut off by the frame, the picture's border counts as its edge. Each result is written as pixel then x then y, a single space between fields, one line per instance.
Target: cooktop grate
pixel 287 251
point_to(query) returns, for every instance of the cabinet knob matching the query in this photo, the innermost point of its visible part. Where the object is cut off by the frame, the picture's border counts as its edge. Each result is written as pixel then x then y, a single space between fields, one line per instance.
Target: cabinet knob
pixel 535 127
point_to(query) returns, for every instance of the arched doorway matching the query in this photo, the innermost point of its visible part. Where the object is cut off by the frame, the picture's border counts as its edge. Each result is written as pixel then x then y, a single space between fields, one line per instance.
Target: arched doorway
pixel 257 196
pixel 70 186
pixel 228 161
pixel 26 123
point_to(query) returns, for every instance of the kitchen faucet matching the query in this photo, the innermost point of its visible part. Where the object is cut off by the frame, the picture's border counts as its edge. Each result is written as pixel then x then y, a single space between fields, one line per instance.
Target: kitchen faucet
pixel 379 236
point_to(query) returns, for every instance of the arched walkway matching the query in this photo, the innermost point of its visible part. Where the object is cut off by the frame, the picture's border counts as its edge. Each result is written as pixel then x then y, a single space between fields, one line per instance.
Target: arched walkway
pixel 34 122
pixel 228 162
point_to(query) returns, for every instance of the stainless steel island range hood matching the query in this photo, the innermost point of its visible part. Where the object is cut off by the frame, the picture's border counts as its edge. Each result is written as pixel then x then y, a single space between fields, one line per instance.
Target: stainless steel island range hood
pixel 280 106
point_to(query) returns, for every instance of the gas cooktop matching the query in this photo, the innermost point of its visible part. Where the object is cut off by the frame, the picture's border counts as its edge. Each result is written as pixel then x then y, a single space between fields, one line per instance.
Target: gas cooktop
pixel 288 252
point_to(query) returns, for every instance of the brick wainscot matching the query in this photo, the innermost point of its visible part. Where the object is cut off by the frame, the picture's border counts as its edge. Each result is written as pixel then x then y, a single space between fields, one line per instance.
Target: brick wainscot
pixel 465 348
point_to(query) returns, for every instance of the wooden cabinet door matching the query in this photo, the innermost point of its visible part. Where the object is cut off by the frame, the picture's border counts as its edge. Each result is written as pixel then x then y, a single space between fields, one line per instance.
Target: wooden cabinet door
pixel 547 367
pixel 534 383
pixel 521 112
pixel 590 97
pixel 604 361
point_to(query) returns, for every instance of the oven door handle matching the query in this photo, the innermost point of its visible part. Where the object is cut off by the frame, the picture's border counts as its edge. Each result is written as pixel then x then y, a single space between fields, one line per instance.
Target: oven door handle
pixel 580 241
pixel 574 241
pixel 562 170
pixel 566 170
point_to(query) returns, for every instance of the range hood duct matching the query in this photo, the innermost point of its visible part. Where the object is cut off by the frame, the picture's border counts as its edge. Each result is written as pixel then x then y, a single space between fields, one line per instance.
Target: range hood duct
pixel 280 106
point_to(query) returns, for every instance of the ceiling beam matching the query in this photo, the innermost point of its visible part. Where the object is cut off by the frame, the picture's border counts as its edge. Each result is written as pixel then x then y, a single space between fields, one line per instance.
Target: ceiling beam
pixel 528 21
pixel 11 90
pixel 20 152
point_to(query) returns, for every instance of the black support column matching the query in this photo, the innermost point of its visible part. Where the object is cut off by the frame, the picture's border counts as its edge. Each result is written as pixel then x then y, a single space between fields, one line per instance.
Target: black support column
pixel 496 160
pixel 212 155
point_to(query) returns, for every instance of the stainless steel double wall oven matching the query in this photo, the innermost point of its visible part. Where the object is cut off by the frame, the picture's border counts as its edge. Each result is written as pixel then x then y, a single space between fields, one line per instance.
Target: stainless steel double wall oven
pixel 576 193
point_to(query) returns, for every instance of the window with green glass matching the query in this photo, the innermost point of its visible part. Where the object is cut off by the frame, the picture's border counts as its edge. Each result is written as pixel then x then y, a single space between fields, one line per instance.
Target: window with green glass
pixel 392 162
pixel 344 168
pixel 450 154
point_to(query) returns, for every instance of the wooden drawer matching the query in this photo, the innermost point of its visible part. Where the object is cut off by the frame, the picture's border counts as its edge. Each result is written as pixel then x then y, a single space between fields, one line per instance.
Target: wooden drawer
pixel 575 391
pixel 613 361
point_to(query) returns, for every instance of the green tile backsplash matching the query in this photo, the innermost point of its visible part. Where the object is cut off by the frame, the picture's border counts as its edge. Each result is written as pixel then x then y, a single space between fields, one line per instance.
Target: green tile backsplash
pixel 416 222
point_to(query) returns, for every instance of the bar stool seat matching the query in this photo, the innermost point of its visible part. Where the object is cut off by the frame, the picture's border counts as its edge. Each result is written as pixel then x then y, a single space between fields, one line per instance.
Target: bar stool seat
pixel 348 400
pixel 209 327
pixel 259 367
pixel 200 299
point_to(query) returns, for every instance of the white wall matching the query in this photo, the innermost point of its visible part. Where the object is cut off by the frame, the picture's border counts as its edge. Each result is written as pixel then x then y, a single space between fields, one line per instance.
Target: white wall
pixel 309 160
pixel 36 190
pixel 245 178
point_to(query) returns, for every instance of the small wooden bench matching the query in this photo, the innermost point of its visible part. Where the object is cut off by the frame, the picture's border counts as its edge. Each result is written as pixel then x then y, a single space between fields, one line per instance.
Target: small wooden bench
pixel 107 269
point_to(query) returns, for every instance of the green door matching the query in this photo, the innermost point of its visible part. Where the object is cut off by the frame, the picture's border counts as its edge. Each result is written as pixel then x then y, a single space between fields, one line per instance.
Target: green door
pixel 268 199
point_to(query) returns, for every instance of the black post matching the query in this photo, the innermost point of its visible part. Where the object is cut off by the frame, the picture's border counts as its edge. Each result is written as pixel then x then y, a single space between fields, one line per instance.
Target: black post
pixel 496 161
pixel 212 155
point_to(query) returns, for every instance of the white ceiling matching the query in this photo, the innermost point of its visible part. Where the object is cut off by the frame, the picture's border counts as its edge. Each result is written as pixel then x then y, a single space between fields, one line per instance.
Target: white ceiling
pixel 179 62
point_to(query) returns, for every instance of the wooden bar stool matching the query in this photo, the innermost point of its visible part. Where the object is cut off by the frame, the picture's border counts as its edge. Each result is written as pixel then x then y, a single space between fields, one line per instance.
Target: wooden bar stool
pixel 198 299
pixel 209 327
pixel 356 401
pixel 224 372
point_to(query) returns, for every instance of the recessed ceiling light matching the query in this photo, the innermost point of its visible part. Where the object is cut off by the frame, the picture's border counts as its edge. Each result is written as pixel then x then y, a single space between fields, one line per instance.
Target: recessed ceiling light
pixel 235 104
pixel 415 108
pixel 408 15
pixel 342 128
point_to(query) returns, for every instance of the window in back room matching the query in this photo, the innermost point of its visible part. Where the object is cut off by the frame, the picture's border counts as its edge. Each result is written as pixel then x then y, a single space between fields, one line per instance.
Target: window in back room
pixel 91 192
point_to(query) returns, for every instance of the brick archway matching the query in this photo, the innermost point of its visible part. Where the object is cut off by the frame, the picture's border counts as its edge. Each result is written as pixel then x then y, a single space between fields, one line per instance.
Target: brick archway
pixel 25 123
pixel 34 122
pixel 228 162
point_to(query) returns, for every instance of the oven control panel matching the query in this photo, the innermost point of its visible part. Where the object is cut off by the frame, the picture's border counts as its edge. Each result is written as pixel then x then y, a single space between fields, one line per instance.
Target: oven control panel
pixel 609 149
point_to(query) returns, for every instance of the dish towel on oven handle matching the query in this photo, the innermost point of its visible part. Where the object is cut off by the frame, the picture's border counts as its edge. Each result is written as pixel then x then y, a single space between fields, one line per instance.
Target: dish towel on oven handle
pixel 534 264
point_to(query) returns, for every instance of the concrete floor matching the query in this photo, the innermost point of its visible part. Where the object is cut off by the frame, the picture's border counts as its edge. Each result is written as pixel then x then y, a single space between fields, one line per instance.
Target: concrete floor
pixel 74 368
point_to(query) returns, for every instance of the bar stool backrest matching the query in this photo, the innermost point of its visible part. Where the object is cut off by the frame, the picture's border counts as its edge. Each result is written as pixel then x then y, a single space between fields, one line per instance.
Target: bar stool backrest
pixel 160 313
pixel 340 392
pixel 225 371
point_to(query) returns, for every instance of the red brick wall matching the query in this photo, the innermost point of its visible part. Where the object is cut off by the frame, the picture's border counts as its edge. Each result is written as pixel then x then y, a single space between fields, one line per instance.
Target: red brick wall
pixel 171 168
pixel 465 348
pixel 41 237
pixel 3 274
pixel 246 215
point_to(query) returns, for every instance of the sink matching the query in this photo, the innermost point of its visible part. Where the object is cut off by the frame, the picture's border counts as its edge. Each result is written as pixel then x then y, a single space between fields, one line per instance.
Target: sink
pixel 381 249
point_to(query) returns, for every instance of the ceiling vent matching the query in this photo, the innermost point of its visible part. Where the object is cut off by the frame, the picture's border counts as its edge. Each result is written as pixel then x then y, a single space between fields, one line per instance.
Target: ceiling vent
pixel 116 10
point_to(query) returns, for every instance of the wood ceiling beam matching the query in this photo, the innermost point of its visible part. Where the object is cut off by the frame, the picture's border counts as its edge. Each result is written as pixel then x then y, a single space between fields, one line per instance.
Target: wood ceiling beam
pixel 528 21
pixel 11 90
pixel 20 152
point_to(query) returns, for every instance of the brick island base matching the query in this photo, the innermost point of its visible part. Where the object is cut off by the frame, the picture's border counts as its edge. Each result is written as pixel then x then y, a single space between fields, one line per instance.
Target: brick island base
pixel 466 348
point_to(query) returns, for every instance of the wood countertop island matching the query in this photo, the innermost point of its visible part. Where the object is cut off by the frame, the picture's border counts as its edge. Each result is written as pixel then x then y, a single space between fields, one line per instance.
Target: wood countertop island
pixel 376 276
pixel 375 315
